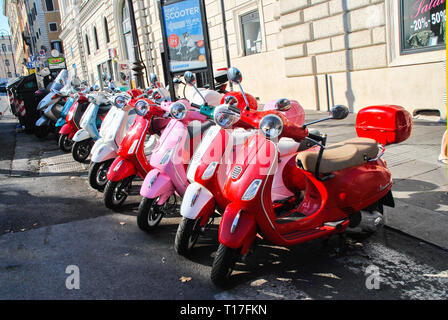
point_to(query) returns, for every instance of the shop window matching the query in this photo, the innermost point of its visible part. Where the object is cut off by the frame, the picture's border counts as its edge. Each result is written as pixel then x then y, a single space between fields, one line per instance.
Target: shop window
pixel 251 29
pixel 423 25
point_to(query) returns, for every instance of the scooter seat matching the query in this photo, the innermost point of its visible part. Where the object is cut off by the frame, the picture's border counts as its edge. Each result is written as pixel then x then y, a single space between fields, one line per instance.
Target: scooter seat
pixel 103 109
pixel 340 156
pixel 196 128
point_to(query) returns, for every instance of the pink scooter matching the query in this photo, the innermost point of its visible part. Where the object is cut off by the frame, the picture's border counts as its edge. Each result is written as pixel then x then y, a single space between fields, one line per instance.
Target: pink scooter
pixel 170 159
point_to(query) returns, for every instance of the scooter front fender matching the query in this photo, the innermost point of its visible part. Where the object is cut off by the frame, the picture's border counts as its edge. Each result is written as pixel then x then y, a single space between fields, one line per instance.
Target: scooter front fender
pixel 238 228
pixel 81 135
pixel 197 202
pixel 68 130
pixel 157 184
pixel 61 122
pixel 121 169
pixel 43 121
pixel 102 152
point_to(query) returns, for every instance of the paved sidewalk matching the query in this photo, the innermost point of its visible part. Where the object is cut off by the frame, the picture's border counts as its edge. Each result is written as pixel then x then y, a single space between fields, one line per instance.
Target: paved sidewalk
pixel 421 183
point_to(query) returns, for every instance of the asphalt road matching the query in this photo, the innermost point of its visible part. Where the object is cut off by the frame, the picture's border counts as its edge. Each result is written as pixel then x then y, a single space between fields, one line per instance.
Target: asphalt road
pixel 50 219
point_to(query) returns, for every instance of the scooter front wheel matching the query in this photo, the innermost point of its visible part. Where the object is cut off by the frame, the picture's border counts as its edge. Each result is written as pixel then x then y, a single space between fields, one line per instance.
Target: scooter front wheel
pixel 223 264
pixel 187 235
pixel 98 174
pixel 116 193
pixel 41 132
pixel 65 144
pixel 149 214
pixel 81 150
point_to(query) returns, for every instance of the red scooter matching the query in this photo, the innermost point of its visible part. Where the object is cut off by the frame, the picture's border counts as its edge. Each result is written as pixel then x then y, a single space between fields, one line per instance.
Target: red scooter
pixel 346 184
pixel 132 160
pixel 73 120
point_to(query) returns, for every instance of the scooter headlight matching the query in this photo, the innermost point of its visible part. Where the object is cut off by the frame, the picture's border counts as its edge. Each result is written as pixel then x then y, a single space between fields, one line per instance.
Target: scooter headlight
pixel 142 108
pixel 178 110
pixel 252 190
pixel 225 116
pixel 210 171
pixel 120 102
pixel 271 126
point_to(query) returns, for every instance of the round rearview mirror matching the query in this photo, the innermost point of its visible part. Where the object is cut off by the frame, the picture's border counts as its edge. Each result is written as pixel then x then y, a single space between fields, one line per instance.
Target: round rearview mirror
pixel 96 87
pixel 153 78
pixel 190 78
pixel 339 112
pixel 176 81
pixel 283 105
pixel 234 75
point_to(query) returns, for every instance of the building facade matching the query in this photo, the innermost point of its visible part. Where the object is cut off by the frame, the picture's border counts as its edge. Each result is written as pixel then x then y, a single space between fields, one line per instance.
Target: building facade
pixel 7 63
pixel 35 29
pixel 319 52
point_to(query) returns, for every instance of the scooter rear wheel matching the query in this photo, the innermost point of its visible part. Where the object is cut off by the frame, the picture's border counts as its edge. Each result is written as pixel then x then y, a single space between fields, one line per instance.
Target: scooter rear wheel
pixel 81 150
pixel 65 144
pixel 186 236
pixel 116 193
pixel 149 214
pixel 223 264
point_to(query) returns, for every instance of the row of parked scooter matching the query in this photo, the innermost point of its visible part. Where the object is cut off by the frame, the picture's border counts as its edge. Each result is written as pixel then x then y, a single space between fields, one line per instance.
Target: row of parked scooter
pixel 262 170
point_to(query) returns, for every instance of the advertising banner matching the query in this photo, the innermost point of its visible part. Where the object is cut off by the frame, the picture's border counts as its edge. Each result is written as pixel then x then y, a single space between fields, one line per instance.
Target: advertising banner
pixel 423 24
pixel 184 32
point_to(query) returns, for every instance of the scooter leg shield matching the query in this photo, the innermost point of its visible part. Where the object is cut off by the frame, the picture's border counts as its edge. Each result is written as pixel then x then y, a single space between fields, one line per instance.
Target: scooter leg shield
pixel 238 228
pixel 197 202
pixel 157 184
pixel 67 129
pixel 121 169
pixel 81 135
pixel 102 152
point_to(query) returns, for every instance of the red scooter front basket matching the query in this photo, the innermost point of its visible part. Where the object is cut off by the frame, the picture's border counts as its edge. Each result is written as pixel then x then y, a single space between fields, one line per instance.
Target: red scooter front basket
pixel 386 124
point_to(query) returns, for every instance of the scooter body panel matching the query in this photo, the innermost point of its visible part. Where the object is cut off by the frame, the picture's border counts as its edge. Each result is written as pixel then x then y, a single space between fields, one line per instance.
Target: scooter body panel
pixel 121 169
pixel 81 135
pixel 157 184
pixel 62 120
pixel 69 130
pixel 89 121
pixel 103 151
pixel 238 228
pixel 197 202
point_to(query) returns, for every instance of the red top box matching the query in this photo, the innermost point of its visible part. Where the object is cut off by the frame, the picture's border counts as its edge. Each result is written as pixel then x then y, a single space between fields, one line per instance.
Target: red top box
pixel 386 124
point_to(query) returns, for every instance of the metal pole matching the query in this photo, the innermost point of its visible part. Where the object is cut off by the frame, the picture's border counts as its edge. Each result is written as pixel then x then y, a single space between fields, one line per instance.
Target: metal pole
pixel 137 63
pixel 226 39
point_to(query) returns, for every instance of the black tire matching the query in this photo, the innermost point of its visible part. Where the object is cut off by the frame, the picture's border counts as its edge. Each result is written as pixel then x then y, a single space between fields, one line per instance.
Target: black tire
pixel 223 264
pixel 81 150
pixel 186 236
pixel 98 174
pixel 149 214
pixel 116 193
pixel 41 132
pixel 65 144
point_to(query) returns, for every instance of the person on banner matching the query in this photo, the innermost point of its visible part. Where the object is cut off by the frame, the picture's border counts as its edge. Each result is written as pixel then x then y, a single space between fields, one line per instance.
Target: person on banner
pixel 443 152
pixel 188 50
